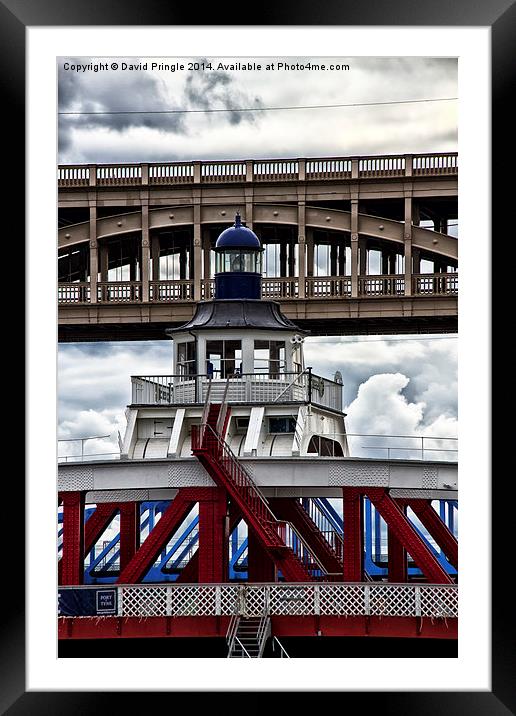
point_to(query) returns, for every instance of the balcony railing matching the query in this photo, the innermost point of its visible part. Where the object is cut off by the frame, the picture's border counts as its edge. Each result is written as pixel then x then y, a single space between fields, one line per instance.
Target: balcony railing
pixel 382 285
pixel 434 601
pixel 267 170
pixel 281 289
pixel 246 388
pixel 119 291
pixel 435 284
pixel 165 291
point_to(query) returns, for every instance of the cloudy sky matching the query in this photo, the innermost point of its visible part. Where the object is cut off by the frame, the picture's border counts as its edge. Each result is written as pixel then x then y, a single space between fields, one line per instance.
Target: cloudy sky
pixel 418 127
pixel 395 385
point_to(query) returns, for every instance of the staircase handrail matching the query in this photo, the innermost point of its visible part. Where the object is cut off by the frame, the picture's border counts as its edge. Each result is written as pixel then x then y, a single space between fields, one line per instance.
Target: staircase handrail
pixel 246 653
pixel 309 551
pixel 290 385
pixel 231 632
pixel 268 515
pixel 206 409
pixel 323 522
pixel 223 410
pixel 284 654
pixel 264 632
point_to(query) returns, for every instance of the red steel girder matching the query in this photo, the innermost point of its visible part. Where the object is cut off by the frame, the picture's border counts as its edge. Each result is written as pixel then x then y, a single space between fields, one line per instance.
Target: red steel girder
pixel 353 535
pixel 289 508
pixel 213 538
pixel 129 532
pixel 71 569
pixel 97 523
pixel 407 534
pixel 111 627
pixel 170 520
pixel 438 530
pixel 260 565
pixel 190 573
pixel 397 556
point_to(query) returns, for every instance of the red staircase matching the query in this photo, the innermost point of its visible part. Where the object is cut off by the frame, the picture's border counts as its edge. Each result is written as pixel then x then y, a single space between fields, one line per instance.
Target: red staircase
pixel 225 469
pixel 292 510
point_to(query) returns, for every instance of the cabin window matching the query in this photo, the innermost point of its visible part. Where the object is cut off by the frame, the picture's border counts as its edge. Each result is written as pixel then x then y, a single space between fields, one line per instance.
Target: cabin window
pixel 186 358
pixel 269 357
pixel 238 260
pixel 282 425
pixel 324 447
pixel 223 358
pixel 241 425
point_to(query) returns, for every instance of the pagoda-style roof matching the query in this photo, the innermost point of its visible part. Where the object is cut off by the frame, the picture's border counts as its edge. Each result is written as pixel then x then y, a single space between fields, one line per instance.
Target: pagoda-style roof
pixel 238 313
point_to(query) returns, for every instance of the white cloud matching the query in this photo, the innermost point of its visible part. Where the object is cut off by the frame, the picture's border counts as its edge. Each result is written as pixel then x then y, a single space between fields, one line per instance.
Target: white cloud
pixel 391 387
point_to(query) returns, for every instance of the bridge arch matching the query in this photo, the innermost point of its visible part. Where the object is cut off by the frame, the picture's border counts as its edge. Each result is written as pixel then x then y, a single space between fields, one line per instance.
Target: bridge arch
pixel 316 218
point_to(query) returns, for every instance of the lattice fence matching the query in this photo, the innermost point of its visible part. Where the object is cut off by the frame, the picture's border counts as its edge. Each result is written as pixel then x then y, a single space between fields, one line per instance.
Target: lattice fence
pixel 387 600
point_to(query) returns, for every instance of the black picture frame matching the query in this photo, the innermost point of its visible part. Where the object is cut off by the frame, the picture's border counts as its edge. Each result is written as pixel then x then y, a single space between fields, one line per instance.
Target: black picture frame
pixel 500 16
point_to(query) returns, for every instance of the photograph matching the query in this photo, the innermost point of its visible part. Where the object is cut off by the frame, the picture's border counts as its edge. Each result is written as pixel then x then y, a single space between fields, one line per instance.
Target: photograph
pixel 257 305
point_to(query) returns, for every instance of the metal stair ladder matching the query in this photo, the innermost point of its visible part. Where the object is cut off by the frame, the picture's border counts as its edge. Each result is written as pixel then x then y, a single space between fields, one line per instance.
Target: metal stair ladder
pixel 247 637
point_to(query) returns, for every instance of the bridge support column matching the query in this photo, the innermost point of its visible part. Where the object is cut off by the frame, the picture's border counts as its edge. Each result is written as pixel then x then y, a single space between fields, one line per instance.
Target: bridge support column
pixel 354 248
pixel 260 567
pixel 301 238
pixel 213 538
pixel 197 248
pixel 145 269
pixel 129 531
pixel 72 561
pixel 353 535
pixel 94 260
pixel 407 237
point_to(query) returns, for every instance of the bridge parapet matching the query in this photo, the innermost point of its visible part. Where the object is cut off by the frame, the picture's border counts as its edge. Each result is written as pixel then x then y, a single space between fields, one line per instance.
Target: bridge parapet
pixel 271 170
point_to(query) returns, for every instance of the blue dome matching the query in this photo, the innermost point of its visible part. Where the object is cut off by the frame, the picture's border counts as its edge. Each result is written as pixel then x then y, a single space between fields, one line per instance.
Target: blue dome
pixel 238 237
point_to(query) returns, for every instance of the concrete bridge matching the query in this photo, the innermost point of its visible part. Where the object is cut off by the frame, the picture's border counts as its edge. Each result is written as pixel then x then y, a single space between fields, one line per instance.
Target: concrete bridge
pixel 351 245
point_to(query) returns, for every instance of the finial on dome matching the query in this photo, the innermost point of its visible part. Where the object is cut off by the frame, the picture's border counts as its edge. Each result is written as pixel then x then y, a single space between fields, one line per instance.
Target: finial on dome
pixel 238 221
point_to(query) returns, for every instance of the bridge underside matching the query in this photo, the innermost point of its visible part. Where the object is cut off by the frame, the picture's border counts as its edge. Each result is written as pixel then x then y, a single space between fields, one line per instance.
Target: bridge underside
pixel 81 324
pixel 281 626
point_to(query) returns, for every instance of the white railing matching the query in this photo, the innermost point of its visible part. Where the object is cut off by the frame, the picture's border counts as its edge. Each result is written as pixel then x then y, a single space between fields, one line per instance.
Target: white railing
pixel 245 388
pixel 293 599
pixel 397 447
pixel 84 456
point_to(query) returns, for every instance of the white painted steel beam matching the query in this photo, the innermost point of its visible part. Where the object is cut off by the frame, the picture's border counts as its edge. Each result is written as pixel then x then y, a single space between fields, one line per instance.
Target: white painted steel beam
pixel 291 476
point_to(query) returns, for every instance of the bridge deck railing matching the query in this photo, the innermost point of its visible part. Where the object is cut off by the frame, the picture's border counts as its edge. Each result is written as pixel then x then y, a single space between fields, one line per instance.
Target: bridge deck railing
pixel 262 170
pixel 281 289
pixel 434 601
pixel 428 448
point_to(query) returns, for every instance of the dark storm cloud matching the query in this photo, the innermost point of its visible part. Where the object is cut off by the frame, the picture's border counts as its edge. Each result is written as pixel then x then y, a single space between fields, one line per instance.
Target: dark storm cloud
pixel 216 89
pixel 114 91
pixel 142 91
